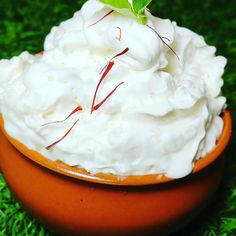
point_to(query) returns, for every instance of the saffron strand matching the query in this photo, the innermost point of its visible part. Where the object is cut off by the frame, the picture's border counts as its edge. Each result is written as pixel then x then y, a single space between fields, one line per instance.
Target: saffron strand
pixel 78 108
pixel 108 68
pixel 105 99
pixel 117 55
pixel 161 38
pixel 101 18
pixel 63 137
pixel 120 54
pixel 120 34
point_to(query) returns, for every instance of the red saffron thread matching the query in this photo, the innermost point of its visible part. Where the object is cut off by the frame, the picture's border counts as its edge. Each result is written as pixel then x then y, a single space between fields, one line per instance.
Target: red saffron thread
pixel 109 13
pixel 105 99
pixel 78 108
pixel 120 34
pixel 117 55
pixel 120 54
pixel 108 68
pixel 161 38
pixel 63 137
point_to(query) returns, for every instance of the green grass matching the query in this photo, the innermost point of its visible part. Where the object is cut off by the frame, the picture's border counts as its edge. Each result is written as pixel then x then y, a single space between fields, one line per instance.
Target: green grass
pixel 23 26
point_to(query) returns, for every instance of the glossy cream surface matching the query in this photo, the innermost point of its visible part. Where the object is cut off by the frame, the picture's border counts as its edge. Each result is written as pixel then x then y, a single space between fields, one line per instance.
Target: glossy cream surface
pixel 162 118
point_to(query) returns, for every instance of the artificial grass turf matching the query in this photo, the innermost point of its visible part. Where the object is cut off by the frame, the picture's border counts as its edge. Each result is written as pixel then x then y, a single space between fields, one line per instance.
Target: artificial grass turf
pixel 25 23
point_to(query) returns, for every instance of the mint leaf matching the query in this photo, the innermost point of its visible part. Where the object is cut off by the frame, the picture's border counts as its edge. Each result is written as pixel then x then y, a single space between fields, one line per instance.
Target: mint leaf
pixel 140 5
pixel 135 7
pixel 121 4
pixel 139 10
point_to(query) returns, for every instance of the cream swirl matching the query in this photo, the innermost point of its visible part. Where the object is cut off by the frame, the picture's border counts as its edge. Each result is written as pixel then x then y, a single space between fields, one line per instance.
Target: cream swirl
pixel 163 118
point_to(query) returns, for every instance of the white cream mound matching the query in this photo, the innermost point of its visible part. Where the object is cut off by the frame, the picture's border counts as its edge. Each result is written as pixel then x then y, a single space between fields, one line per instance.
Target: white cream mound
pixel 163 118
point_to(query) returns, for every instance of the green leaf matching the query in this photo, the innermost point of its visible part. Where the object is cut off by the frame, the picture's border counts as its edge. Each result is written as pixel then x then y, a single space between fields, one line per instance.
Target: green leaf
pixel 121 4
pixel 137 9
pixel 140 5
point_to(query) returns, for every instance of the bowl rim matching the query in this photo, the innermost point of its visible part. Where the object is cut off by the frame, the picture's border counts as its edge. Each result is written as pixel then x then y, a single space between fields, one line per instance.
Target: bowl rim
pixel 111 179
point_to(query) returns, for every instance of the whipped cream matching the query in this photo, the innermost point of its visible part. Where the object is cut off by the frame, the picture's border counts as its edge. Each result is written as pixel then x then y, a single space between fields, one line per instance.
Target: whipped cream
pixel 160 120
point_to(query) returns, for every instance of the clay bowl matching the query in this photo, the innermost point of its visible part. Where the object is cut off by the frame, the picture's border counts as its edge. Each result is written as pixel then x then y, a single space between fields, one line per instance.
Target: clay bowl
pixel 73 202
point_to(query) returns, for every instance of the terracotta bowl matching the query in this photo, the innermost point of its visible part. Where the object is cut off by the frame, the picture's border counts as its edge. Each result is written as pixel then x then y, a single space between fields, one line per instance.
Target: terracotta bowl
pixel 72 202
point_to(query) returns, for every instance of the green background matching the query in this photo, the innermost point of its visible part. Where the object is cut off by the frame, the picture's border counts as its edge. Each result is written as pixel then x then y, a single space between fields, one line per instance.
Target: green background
pixel 24 25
